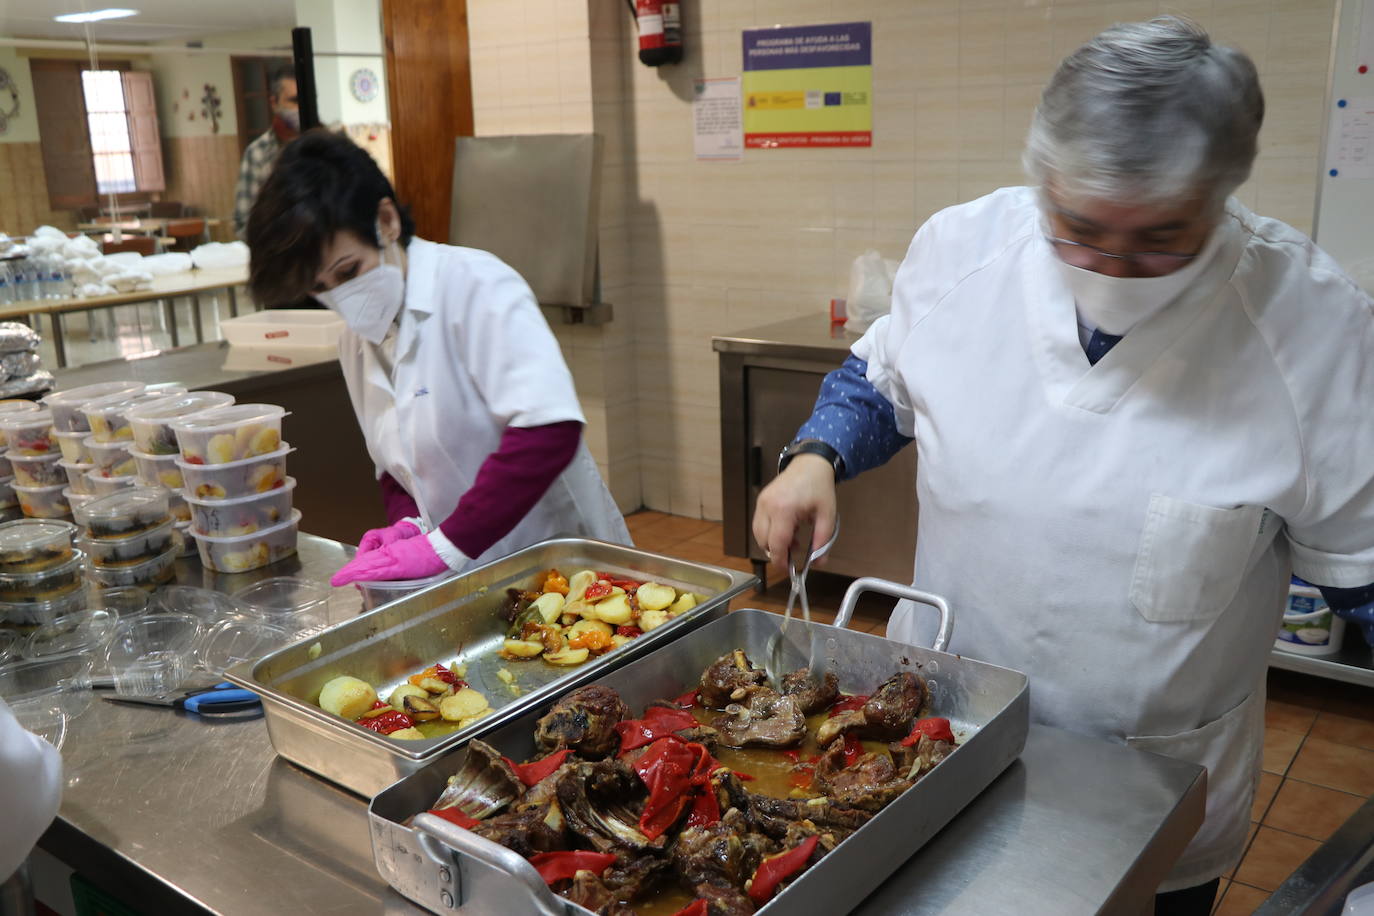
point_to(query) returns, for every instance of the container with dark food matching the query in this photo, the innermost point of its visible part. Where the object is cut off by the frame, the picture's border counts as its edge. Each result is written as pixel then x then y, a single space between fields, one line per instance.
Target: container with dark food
pixel 147 575
pixel 32 545
pixel 43 585
pixel 129 551
pixel 125 513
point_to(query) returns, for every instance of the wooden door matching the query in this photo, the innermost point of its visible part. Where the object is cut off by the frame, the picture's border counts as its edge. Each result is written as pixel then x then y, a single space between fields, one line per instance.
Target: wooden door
pixel 145 142
pixel 429 89
pixel 61 109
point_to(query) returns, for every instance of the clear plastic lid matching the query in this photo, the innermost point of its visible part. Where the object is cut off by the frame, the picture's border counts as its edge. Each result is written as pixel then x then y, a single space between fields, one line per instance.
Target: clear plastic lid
pixel 10 641
pixel 118 405
pixel 94 446
pixel 26 419
pixel 17 406
pixel 125 601
pixel 283 595
pixel 180 406
pixel 33 535
pixel 32 678
pixel 87 632
pixel 229 417
pixel 38 578
pixel 202 603
pixel 75 397
pixel 139 503
pixel 239 639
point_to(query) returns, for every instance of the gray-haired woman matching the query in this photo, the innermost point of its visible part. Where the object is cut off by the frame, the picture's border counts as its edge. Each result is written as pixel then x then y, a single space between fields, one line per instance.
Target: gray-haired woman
pixel 1135 405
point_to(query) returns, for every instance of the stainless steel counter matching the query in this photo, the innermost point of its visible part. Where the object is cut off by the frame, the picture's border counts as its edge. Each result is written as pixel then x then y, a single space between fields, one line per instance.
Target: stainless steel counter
pixel 173 813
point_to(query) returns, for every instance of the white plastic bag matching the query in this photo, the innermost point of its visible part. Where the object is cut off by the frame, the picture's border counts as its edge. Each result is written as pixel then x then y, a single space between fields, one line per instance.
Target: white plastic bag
pixel 870 290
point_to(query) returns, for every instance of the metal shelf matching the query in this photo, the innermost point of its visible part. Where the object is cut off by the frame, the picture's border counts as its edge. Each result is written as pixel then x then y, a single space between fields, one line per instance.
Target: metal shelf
pixel 1354 664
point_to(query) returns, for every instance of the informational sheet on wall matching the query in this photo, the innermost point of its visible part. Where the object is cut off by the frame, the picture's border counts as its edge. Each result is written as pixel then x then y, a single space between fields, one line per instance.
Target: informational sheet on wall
pixel 1351 146
pixel 808 86
pixel 718 134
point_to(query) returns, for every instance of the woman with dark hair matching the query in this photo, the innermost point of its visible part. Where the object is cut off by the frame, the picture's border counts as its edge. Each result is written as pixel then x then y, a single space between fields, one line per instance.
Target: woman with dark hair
pixel 460 388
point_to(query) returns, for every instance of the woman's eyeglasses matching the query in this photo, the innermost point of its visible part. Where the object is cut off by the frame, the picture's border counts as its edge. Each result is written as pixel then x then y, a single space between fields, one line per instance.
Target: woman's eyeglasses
pixel 1147 263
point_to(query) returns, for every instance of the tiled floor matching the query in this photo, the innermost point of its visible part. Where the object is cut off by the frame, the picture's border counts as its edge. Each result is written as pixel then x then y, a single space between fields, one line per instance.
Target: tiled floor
pixel 1318 744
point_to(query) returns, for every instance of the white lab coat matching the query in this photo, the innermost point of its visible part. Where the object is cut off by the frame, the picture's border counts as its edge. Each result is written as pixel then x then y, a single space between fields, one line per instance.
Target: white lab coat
pixel 1123 533
pixel 30 790
pixel 474 355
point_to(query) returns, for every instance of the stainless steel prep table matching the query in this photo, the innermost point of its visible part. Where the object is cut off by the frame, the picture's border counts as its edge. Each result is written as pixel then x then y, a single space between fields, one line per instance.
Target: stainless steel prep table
pixel 175 814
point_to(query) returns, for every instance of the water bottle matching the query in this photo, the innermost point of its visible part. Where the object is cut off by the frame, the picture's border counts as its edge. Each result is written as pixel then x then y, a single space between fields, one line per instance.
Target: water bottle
pixel 57 286
pixel 23 282
pixel 6 285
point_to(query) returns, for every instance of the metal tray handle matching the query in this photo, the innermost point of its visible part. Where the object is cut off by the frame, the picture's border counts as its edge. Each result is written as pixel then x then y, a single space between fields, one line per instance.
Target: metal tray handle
pixel 430 830
pixel 896 590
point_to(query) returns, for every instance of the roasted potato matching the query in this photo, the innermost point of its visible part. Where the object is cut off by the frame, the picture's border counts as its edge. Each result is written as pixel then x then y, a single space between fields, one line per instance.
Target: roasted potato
pixel 584 626
pixel 398 696
pixel 567 657
pixel 464 704
pixel 522 648
pixel 550 606
pixel 652 620
pixel 347 697
pixel 655 597
pixel 614 610
pixel 685 602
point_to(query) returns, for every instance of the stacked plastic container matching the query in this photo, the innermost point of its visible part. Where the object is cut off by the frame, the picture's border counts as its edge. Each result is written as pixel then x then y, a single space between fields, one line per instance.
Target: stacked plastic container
pixel 40 572
pixel 233 467
pixel 111 439
pixel 128 537
pixel 71 428
pixel 30 441
pixel 8 498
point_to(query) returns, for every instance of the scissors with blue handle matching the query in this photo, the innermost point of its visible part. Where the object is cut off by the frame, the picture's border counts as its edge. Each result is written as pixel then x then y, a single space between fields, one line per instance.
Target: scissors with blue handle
pixel 222 697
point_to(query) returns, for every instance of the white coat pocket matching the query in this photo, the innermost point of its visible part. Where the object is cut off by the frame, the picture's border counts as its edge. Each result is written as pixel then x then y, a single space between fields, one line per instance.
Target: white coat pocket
pixel 1191 559
pixel 1229 747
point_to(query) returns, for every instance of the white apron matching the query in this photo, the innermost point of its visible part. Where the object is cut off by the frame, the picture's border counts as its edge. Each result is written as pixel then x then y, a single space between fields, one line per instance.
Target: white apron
pixel 1109 530
pixel 474 355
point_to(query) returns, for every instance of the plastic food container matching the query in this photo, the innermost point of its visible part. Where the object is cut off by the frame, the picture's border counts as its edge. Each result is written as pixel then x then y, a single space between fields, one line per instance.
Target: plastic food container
pixel 104 486
pixel 183 543
pixel 66 405
pixel 108 416
pixel 111 459
pixel 249 551
pixel 291 327
pixel 73 447
pixel 34 545
pixel 177 506
pixel 38 470
pixel 376 594
pixel 127 603
pixel 35 613
pixel 10 643
pixel 44 584
pixel 1309 627
pixel 151 423
pixel 290 602
pixel 8 498
pixel 6 468
pixel 158 470
pixel 76 476
pixel 43 502
pixel 152 654
pixel 129 551
pixel 76 499
pixel 85 632
pixel 28 433
pixel 16 405
pixel 229 433
pixel 238 478
pixel 244 515
pixel 239 639
pixel 149 574
pixel 125 513
pixel 203 604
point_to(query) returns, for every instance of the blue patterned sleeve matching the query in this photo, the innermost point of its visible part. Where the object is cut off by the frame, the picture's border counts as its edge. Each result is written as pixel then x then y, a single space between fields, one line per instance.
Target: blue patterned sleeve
pixel 1354 604
pixel 854 419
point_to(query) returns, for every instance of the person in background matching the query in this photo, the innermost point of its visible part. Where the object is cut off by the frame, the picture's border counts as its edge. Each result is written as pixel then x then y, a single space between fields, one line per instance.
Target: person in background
pixel 30 790
pixel 466 404
pixel 260 155
pixel 1137 408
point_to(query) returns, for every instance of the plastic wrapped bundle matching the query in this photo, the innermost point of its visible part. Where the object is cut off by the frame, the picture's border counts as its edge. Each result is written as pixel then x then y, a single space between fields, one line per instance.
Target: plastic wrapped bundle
pixel 34 383
pixel 17 337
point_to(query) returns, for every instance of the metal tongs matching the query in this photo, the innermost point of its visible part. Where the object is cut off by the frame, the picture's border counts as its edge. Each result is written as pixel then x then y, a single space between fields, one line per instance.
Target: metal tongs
pixel 797 594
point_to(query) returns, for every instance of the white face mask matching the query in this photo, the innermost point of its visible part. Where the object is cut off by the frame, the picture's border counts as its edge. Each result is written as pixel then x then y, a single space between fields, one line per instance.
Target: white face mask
pixel 1117 304
pixel 370 302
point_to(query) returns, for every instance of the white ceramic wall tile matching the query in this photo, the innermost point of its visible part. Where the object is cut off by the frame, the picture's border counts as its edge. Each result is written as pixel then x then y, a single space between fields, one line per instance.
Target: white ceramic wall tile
pixel 937 124
pixel 982 46
pixel 980 118
pixel 894 127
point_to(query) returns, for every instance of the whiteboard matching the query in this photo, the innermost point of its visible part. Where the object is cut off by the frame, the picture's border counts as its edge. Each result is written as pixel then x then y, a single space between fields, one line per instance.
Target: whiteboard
pixel 1344 223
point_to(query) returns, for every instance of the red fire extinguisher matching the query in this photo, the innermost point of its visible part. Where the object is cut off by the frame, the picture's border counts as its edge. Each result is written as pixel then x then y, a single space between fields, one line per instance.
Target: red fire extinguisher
pixel 660 31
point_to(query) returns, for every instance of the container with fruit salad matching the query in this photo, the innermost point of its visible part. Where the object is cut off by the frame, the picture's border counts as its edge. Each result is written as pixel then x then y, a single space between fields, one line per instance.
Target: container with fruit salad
pixel 158 470
pixel 237 478
pixel 37 470
pixel 249 551
pixel 111 459
pixel 42 502
pixel 434 702
pixel 76 476
pixel 152 423
pixel 108 416
pixel 66 405
pixel 28 432
pixel 229 434
pixel 244 514
pixel 566 621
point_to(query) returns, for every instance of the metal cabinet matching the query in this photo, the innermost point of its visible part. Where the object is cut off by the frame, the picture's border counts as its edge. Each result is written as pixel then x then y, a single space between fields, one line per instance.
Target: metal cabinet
pixel 769 378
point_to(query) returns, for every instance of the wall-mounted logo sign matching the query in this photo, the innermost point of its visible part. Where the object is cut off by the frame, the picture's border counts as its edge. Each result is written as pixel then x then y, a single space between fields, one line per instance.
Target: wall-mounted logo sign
pixel 364 84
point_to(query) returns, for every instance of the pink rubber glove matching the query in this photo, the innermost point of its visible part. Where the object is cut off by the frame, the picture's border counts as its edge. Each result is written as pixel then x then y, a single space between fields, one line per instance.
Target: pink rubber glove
pixel 380 537
pixel 412 558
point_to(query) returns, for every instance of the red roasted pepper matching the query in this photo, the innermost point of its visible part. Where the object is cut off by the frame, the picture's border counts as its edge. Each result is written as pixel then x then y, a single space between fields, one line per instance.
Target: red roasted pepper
pixel 705 810
pixel 846 703
pixel 802 776
pixel 658 722
pixel 687 700
pixel 935 728
pixel 673 771
pixel 538 770
pixel 626 629
pixel 773 870
pixel 793 755
pixel 387 722
pixel 853 749
pixel 458 817
pixel 561 866
pixel 597 590
pixel 696 908
pixel 628 584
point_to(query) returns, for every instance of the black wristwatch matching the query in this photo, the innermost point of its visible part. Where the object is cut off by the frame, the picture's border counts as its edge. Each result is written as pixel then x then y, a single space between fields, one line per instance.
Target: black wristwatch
pixel 811 447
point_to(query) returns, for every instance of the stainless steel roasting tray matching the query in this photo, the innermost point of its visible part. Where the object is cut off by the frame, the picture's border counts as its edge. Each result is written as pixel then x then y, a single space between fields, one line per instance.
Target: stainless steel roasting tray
pixel 453 622
pixel 442 866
